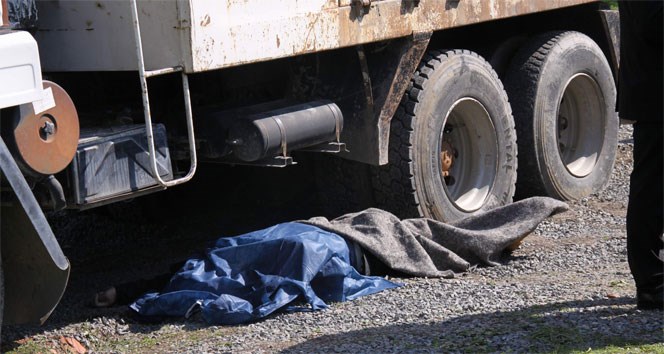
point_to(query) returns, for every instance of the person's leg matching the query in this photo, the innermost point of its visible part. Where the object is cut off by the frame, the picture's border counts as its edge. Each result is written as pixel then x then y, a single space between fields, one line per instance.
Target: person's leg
pixel 645 214
pixel 126 293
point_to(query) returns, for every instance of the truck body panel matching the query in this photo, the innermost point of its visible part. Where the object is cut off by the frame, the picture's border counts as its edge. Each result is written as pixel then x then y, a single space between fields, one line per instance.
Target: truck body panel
pixel 203 35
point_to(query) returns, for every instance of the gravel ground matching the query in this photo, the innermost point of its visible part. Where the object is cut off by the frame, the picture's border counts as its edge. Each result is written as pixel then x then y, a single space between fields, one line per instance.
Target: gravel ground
pixel 567 288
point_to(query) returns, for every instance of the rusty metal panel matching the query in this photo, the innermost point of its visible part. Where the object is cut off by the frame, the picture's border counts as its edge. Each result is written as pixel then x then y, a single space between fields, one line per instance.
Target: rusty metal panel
pixel 210 34
pixel 350 2
pixel 233 32
pixel 4 15
pixel 236 32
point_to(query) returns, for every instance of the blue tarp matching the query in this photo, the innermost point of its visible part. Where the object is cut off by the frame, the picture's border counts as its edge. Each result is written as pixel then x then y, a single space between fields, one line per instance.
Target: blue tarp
pixel 248 277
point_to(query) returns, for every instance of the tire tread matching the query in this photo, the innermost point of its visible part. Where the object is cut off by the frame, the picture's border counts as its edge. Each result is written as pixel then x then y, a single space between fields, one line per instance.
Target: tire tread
pixel 521 83
pixel 394 184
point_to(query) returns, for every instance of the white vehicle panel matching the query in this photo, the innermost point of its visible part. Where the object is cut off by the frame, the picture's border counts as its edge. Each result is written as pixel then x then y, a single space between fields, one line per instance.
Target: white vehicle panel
pixel 205 35
pixel 20 72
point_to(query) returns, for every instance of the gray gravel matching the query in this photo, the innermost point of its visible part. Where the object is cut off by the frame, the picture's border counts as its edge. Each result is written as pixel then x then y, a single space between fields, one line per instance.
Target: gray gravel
pixel 567 288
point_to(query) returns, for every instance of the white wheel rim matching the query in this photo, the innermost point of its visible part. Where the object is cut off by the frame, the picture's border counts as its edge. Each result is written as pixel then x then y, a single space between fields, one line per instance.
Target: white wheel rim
pixel 469 130
pixel 580 125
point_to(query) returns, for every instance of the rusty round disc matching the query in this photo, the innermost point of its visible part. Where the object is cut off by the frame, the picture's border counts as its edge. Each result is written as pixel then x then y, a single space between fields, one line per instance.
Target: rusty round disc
pixel 46 142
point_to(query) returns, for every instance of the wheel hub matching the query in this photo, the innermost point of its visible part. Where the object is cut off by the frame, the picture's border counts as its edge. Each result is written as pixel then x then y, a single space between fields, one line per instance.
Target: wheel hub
pixel 579 125
pixel 46 142
pixel 468 148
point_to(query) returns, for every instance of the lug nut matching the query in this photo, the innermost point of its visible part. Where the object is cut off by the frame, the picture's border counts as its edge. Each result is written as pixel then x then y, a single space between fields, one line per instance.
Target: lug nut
pixel 47 130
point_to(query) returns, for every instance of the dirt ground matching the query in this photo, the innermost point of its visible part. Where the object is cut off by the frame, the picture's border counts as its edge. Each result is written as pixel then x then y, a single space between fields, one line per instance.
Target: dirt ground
pixel 130 241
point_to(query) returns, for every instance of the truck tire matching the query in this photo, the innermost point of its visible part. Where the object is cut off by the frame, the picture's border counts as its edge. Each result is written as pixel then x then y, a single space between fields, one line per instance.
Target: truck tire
pixel 343 186
pixel 563 95
pixel 452 142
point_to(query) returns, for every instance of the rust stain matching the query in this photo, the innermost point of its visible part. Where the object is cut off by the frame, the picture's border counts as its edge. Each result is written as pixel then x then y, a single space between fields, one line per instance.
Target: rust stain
pixel 206 20
pixel 334 27
pixel 310 28
pixel 70 344
pixel 5 14
pixel 48 153
pixel 182 25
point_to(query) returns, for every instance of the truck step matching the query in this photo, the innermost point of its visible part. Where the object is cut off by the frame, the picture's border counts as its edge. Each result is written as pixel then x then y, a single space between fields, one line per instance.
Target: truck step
pixel 114 163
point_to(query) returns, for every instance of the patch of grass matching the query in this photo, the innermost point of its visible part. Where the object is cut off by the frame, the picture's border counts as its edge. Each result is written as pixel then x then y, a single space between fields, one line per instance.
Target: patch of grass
pixel 612 3
pixel 556 338
pixel 617 284
pixel 148 342
pixel 30 347
pixel 475 343
pixel 559 339
pixel 144 343
pixel 626 348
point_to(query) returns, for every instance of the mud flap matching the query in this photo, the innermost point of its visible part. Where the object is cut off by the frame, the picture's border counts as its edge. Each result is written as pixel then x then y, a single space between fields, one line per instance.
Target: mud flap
pixel 35 269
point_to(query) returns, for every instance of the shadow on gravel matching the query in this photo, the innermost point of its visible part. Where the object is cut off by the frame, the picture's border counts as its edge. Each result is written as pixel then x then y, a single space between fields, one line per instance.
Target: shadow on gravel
pixel 565 326
pixel 142 238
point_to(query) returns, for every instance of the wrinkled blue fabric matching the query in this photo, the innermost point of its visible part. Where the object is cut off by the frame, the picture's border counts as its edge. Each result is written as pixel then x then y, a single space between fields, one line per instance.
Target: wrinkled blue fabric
pixel 247 277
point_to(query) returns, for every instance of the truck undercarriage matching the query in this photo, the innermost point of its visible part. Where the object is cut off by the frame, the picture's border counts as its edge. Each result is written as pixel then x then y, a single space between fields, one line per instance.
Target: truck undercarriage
pixel 417 107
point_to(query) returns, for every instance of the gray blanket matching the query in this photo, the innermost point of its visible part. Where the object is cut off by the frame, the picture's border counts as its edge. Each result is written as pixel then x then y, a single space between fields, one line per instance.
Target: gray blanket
pixel 429 248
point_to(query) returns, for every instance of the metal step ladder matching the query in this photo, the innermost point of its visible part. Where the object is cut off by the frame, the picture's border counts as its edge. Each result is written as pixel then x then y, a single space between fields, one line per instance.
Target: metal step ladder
pixel 144 75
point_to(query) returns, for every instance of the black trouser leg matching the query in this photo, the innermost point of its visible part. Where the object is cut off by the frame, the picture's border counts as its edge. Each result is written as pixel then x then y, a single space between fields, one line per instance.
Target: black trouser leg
pixel 645 211
pixel 128 292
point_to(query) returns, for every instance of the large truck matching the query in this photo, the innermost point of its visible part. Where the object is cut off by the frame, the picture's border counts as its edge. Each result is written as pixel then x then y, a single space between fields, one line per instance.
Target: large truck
pixel 433 108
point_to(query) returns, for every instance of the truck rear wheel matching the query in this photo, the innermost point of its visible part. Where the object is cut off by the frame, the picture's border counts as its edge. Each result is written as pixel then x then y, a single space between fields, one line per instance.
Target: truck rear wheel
pixel 343 186
pixel 452 142
pixel 562 91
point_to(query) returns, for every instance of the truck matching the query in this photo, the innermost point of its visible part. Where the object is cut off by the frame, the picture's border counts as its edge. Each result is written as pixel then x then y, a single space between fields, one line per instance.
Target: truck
pixel 425 108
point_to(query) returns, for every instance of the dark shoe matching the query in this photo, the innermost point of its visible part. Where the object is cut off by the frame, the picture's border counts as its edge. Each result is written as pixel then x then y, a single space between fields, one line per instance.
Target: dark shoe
pixel 650 299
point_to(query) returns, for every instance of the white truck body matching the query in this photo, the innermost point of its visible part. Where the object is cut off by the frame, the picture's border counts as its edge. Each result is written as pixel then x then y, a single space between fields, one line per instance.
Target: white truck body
pixel 203 35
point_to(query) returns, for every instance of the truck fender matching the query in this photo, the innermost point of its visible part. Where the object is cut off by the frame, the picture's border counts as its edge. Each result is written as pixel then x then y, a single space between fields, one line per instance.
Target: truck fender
pixel 35 269
pixel 611 22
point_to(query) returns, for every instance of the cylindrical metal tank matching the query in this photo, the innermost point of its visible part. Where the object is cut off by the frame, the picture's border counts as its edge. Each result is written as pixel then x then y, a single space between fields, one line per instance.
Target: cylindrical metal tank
pixel 276 132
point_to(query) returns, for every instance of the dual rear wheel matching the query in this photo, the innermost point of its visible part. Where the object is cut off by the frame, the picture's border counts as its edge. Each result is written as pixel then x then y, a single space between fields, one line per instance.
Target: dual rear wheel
pixel 453 144
pixel 563 95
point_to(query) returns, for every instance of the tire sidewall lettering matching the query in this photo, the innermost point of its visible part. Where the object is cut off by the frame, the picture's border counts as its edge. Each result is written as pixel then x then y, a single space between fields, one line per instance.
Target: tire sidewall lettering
pixel 478 84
